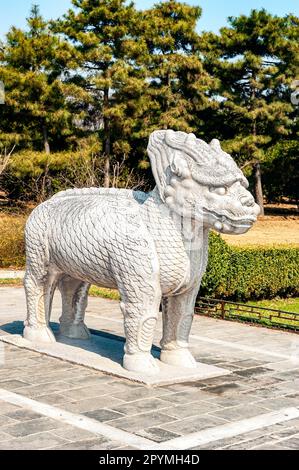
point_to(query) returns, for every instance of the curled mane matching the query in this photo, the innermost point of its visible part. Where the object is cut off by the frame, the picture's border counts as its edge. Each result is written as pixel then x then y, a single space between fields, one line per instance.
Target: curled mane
pixel 208 163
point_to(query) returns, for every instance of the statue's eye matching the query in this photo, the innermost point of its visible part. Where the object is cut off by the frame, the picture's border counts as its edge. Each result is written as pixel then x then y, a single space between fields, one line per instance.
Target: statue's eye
pixel 220 190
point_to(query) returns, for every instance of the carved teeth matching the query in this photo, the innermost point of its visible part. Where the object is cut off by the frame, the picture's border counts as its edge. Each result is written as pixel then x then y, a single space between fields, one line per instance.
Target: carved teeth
pixel 169 200
pixel 218 225
pixel 169 191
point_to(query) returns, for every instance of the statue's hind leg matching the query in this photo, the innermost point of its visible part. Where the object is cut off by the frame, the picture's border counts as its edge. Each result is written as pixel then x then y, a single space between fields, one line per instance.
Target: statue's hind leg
pixel 39 294
pixel 39 281
pixel 178 314
pixel 74 294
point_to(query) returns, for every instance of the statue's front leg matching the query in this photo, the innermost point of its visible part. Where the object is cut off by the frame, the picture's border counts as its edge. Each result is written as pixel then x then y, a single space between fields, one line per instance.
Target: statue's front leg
pixel 140 312
pixel 178 314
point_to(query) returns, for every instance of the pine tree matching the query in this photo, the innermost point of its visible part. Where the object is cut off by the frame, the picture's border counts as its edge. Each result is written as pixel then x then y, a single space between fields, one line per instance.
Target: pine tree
pixel 255 58
pixel 106 45
pixel 178 83
pixel 35 110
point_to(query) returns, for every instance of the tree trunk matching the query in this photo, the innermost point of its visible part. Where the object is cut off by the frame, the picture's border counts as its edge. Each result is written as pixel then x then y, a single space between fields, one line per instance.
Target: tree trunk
pixel 166 101
pixel 46 141
pixel 107 142
pixel 258 187
pixel 107 172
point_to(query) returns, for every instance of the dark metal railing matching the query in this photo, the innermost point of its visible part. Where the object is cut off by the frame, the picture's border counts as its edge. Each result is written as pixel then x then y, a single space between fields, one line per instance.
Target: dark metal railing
pixel 250 313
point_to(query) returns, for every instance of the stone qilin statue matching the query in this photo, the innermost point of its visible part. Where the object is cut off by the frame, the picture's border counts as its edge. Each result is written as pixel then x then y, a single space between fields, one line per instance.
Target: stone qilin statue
pixel 152 247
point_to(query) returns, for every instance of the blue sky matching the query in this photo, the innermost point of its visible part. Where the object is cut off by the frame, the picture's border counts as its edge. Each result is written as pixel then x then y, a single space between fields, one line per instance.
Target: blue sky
pixel 214 15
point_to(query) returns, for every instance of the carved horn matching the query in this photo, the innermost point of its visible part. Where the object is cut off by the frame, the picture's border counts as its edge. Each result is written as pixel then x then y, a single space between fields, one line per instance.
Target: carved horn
pixel 215 144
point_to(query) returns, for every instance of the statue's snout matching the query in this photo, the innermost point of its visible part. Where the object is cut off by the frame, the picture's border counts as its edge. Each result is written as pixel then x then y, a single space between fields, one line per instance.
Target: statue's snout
pixel 247 200
pixel 257 209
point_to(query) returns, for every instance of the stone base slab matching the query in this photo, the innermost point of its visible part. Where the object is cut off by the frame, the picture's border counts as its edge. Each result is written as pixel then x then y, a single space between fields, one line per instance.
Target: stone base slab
pixel 105 354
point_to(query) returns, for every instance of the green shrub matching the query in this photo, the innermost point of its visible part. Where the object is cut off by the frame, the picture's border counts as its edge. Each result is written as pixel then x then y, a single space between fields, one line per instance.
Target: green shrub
pixel 215 278
pixel 280 171
pixel 250 272
pixel 35 176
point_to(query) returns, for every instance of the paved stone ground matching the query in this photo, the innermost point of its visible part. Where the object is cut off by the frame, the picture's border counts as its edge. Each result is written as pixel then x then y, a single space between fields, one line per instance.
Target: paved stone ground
pixel 264 379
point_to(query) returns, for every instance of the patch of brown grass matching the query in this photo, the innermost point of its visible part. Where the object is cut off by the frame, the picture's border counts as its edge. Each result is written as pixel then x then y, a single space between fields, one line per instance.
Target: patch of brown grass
pixel 269 231
pixel 12 247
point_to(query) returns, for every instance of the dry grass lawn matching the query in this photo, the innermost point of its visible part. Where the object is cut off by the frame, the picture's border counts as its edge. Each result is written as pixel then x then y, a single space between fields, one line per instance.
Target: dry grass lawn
pixel 269 230
pixel 11 240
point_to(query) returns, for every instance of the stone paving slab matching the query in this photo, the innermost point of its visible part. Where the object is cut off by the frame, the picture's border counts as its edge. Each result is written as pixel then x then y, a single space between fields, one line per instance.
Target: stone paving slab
pixel 264 380
pixel 149 420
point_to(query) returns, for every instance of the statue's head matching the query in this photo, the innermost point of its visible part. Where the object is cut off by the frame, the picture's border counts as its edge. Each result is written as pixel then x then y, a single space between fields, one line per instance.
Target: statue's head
pixel 202 181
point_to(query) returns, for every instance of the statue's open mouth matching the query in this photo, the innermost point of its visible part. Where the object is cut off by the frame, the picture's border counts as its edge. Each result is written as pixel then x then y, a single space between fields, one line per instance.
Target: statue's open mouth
pixel 227 224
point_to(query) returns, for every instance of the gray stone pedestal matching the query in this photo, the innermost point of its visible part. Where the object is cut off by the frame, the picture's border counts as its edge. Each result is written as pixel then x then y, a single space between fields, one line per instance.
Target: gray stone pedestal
pixel 104 353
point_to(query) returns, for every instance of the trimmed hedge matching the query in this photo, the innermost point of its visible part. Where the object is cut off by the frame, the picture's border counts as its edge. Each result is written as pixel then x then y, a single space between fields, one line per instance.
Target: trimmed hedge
pixel 250 272
pixel 232 273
